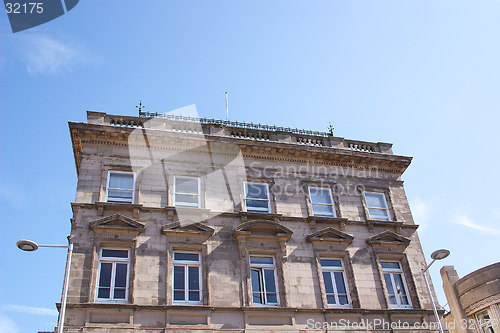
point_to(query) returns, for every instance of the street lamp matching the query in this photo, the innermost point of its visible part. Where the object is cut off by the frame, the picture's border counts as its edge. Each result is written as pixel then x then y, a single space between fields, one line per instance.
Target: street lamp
pixel 27 245
pixel 436 255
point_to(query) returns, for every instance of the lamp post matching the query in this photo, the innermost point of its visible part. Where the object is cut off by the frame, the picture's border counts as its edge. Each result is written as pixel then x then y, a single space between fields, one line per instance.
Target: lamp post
pixel 27 245
pixel 436 255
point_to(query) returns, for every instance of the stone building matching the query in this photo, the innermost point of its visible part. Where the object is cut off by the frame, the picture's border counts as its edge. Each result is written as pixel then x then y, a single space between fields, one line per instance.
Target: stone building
pixel 474 300
pixel 184 224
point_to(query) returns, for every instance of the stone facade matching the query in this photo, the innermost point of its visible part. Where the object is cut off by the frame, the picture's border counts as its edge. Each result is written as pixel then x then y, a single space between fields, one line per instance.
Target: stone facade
pixel 474 300
pixel 225 231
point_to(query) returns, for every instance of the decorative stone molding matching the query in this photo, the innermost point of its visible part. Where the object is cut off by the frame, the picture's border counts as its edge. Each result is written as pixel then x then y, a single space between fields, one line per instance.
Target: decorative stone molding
pixel 246 216
pixel 313 220
pixel 101 206
pixel 187 231
pixel 261 231
pixel 330 238
pixel 482 303
pixel 117 226
pixel 388 241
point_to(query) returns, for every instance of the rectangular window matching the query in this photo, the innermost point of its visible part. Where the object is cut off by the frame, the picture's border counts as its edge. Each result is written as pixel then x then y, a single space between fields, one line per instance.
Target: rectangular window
pixel 263 276
pixel 187 278
pixel 396 284
pixel 120 187
pixel 377 206
pixel 257 197
pixel 321 201
pixel 485 323
pixel 337 293
pixel 187 191
pixel 113 275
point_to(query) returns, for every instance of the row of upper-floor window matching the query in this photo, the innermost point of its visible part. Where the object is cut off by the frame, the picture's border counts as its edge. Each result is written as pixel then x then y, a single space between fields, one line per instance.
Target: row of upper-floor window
pixel 187 279
pixel 187 193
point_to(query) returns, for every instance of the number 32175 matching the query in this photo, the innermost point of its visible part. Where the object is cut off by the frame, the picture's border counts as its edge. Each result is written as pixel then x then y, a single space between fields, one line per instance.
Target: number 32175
pixel 25 8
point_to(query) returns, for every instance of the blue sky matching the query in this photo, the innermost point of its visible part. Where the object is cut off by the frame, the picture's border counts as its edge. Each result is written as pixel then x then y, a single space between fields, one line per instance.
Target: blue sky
pixel 423 75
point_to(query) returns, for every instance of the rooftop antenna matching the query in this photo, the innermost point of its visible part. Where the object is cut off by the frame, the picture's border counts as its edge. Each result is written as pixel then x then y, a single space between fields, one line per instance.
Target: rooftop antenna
pixel 330 128
pixel 227 108
pixel 140 106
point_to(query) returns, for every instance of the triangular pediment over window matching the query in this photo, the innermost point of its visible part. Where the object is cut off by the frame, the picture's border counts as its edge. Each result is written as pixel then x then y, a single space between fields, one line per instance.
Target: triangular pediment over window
pixel 187 227
pixel 117 223
pixel 387 240
pixel 330 235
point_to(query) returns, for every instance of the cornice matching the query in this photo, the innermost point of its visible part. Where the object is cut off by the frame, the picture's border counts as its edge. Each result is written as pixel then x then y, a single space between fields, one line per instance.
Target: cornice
pixel 264 150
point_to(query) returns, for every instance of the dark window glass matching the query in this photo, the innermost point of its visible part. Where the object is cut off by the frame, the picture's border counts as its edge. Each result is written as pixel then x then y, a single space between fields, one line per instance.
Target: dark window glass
pixel 256 287
pixel 328 282
pixel 121 181
pixel 390 265
pixel 114 253
pixel 179 287
pixel 186 256
pixel 194 283
pixel 261 260
pixel 271 296
pixel 390 289
pixel 331 263
pixel 256 191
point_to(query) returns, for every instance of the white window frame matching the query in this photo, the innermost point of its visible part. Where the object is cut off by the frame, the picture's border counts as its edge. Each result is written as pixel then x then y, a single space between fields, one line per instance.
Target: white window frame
pixel 186 264
pixel 113 261
pixel 392 272
pixel 485 326
pixel 187 204
pixel 268 198
pixel 332 205
pixel 332 270
pixel 120 189
pixel 385 203
pixel 261 268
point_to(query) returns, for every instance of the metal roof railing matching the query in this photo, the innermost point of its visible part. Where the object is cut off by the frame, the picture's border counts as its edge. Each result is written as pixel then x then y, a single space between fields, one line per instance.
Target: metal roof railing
pixel 237 124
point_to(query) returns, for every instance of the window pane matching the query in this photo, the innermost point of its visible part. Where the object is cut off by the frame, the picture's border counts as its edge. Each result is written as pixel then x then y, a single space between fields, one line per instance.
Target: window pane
pixel 186 256
pixel 261 260
pixel 119 293
pixel 194 296
pixel 257 205
pixel 194 278
pixel 121 276
pixel 339 282
pixel 322 210
pixel 256 191
pixel 331 263
pixel 105 278
pixel 103 292
pixel 390 264
pixel 375 200
pixel 179 283
pixel 271 296
pixel 119 196
pixel 327 278
pixel 378 214
pixel 256 287
pixel 330 298
pixel 320 195
pixel 398 278
pixel 114 253
pixel 191 200
pixel 121 180
pixel 186 185
pixel 343 300
pixel 390 289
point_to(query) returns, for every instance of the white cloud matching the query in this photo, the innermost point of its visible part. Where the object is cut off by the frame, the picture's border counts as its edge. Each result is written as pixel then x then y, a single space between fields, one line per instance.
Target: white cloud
pixel 421 211
pixel 30 310
pixel 46 54
pixel 7 325
pixel 465 221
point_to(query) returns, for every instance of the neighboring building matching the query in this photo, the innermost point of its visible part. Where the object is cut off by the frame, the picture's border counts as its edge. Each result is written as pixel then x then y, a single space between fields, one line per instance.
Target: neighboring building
pixel 474 300
pixel 198 225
